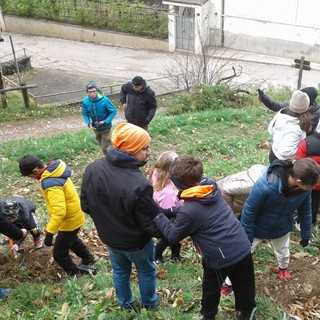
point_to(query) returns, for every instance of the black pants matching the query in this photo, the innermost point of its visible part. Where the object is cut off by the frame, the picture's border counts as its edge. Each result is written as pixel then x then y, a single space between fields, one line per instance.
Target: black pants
pixel 163 244
pixel 315 196
pixel 65 241
pixel 243 284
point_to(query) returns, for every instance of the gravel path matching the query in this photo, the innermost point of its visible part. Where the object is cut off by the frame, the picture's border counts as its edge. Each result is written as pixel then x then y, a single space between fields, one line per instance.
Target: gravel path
pixel 11 131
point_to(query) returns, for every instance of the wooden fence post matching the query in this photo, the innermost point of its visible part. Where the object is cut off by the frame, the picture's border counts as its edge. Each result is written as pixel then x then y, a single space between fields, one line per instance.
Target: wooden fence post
pixel 3 94
pixel 25 96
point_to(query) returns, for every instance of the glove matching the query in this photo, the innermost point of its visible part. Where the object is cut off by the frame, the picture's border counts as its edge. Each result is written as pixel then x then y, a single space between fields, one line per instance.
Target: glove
pixel 48 239
pixel 304 242
pixel 261 95
pixel 170 213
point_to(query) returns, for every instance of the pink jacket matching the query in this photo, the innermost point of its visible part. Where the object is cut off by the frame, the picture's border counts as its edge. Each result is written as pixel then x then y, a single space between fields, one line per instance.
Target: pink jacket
pixel 168 196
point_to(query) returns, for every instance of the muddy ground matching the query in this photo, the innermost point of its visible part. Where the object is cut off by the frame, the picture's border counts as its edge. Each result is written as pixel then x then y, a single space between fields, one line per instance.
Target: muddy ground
pixel 299 295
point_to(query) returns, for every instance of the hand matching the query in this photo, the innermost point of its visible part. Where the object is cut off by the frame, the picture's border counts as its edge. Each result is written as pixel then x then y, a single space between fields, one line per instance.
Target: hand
pixel 100 123
pixel 170 213
pixel 48 239
pixel 15 249
pixel 304 242
pixel 124 106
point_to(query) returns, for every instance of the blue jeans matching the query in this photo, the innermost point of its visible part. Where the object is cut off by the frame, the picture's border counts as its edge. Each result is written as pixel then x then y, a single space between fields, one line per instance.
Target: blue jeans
pixel 121 262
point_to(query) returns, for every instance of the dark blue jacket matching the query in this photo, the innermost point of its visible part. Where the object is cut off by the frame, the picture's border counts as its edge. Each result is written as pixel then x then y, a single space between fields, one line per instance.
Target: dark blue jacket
pixel 99 109
pixel 209 221
pixel 269 213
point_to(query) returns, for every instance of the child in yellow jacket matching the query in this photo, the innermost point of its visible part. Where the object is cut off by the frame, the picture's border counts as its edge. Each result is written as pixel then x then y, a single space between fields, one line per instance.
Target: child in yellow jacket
pixel 66 216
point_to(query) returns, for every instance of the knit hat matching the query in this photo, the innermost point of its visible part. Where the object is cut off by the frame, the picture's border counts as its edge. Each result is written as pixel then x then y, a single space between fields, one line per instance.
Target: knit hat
pixel 129 137
pixel 137 81
pixel 91 85
pixel 299 102
pixel 311 92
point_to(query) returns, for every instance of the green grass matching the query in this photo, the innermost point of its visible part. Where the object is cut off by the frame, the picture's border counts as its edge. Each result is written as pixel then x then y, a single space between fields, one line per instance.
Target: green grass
pixel 227 140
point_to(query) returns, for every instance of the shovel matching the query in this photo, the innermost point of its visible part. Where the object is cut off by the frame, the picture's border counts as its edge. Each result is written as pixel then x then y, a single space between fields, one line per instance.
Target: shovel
pixel 17 255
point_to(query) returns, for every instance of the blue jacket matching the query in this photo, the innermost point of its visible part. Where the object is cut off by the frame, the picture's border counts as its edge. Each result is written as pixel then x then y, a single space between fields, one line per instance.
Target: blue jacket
pixel 99 109
pixel 209 221
pixel 269 214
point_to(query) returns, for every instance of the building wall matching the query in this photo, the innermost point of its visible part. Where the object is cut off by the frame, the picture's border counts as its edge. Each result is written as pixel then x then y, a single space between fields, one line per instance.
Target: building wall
pixel 287 28
pixel 71 32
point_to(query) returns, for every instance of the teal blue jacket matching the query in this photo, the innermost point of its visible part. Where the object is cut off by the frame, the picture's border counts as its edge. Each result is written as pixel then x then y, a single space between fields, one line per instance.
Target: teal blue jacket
pixel 99 109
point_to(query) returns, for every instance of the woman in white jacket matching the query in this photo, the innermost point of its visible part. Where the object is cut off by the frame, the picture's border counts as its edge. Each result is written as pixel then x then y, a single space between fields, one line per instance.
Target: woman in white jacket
pixel 289 127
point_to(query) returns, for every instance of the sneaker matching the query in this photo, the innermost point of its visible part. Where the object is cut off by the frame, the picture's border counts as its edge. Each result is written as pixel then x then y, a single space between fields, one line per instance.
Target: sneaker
pixel 284 273
pixel 159 261
pixel 5 241
pixel 155 305
pixel 38 243
pixel 88 262
pixel 226 290
pixel 4 293
pixel 85 269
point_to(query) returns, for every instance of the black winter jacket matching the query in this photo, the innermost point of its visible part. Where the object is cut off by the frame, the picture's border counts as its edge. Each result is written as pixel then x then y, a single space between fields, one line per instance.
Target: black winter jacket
pixel 141 106
pixel 26 219
pixel 109 195
pixel 9 229
pixel 209 220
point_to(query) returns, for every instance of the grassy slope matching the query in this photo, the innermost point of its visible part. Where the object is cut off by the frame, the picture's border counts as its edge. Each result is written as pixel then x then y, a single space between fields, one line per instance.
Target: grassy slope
pixel 226 140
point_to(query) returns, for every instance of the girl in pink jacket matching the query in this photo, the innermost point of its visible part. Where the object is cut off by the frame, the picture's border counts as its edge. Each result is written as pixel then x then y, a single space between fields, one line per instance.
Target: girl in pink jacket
pixel 166 196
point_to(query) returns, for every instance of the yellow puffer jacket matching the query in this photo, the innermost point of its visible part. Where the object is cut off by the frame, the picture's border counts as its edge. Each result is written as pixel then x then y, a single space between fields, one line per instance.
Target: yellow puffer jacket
pixel 61 197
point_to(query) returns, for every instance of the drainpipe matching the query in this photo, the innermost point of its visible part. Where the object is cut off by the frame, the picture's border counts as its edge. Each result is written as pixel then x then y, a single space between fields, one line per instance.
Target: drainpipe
pixel 222 22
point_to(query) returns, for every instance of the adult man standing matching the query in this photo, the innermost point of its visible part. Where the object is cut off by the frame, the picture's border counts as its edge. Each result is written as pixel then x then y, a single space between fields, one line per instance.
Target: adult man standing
pixel 109 195
pixel 98 112
pixel 139 102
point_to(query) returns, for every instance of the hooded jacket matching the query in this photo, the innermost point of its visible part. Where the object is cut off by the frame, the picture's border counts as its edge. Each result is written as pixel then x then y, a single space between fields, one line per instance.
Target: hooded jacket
pixel 109 194
pixel 235 188
pixel 210 222
pixel 61 197
pixel 141 106
pixel 26 218
pixel 286 135
pixel 269 210
pixel 99 109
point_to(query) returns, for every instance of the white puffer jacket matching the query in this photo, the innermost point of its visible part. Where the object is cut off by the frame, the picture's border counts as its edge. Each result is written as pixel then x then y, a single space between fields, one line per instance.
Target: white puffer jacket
pixel 286 135
pixel 235 188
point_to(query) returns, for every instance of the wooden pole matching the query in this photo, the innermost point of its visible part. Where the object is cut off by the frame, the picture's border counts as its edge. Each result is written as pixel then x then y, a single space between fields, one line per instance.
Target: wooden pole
pixel 300 73
pixel 3 94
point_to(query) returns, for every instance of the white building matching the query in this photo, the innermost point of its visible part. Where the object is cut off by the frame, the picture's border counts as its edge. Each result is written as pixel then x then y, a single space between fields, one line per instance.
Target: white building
pixel 286 28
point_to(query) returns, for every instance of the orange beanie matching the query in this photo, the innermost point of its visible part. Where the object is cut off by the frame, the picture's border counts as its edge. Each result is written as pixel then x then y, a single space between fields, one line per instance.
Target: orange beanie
pixel 129 137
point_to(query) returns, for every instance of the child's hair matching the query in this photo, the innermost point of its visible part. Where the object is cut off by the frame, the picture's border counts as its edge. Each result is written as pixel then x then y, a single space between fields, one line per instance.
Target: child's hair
pixel 28 163
pixel 305 121
pixel 306 170
pixel 186 171
pixel 162 165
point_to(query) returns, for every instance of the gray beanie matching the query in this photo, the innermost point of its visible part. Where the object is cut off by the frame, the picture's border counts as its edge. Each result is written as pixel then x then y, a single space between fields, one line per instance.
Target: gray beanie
pixel 299 102
pixel 91 85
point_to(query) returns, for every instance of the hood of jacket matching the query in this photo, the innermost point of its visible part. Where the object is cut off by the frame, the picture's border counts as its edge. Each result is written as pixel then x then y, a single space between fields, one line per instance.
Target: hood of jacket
pixel 206 192
pixel 124 159
pixel 56 169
